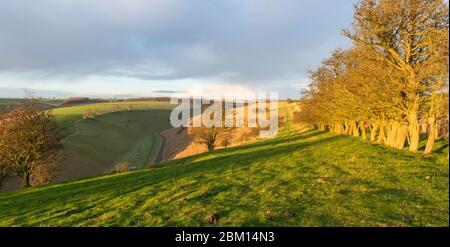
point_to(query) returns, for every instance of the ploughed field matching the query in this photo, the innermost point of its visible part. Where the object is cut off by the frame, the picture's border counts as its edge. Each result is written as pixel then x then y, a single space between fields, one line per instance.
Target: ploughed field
pixel 308 178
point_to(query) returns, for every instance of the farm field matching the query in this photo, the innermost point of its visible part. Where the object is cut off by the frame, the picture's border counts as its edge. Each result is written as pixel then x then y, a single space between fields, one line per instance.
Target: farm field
pixel 311 178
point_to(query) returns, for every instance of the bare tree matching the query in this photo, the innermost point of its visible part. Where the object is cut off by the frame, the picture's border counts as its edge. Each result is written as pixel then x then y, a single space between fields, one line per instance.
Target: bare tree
pixel 29 139
pixel 5 171
pixel 226 140
pixel 208 136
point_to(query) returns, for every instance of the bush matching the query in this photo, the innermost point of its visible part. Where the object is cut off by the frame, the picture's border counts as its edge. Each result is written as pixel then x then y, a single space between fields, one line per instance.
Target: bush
pixel 296 116
pixel 121 167
pixel 225 141
pixel 115 108
pixel 89 114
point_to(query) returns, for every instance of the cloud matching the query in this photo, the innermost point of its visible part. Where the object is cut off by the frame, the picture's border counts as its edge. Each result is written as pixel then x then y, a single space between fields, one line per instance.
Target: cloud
pixel 251 42
pixel 14 92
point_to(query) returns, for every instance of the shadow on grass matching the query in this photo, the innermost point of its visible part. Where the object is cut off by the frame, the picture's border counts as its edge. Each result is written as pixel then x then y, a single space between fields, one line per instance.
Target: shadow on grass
pixel 261 144
pixel 87 199
pixel 441 149
pixel 109 187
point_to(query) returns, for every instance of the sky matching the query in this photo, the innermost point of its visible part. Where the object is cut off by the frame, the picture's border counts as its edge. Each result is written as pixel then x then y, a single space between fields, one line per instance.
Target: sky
pixel 139 48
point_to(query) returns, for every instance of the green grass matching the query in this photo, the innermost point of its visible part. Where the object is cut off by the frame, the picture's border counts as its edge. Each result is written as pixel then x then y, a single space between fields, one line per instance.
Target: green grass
pixel 66 117
pixel 144 151
pixel 327 180
pixel 10 101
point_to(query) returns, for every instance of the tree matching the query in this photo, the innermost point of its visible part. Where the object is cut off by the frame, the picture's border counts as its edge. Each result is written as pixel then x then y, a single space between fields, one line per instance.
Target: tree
pixel 29 139
pixel 3 174
pixel 5 171
pixel 225 140
pixel 400 34
pixel 393 78
pixel 436 99
pixel 208 136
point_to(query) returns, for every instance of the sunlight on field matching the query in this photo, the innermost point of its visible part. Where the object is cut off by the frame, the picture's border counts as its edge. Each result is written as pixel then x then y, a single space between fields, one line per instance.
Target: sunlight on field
pixel 324 179
pixel 66 116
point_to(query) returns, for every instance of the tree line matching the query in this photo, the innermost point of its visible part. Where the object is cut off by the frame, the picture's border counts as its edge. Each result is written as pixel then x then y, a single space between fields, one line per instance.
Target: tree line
pixel 391 86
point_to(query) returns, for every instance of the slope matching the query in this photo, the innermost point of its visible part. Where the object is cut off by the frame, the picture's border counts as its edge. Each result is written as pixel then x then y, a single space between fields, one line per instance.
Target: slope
pixel 297 179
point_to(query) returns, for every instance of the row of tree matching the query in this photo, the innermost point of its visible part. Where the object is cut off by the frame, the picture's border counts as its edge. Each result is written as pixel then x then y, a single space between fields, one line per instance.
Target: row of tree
pixel 391 86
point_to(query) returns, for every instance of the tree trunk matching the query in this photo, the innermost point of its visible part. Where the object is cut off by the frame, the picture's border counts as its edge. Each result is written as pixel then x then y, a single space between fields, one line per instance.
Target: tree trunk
pixel 346 129
pixel 423 128
pixel 321 126
pixel 26 181
pixel 431 135
pixel 436 129
pixel 373 132
pixel 2 179
pixel 400 137
pixel 355 130
pixel 412 114
pixel 381 135
pixel 362 126
pixel 337 128
pixel 413 131
pixel 340 129
pixel 390 134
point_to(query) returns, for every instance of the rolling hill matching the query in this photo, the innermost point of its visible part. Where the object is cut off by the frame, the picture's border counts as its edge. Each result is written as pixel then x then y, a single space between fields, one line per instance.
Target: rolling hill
pixel 98 144
pixel 116 134
pixel 308 178
pixel 119 132
pixel 66 117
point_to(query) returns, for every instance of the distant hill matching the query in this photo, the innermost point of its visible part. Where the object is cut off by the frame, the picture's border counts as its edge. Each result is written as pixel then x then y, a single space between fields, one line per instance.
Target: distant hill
pixel 82 100
pixel 75 100
pixel 8 103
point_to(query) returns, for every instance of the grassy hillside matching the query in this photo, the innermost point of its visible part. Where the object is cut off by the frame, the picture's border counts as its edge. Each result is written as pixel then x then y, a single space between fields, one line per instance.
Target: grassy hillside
pixel 100 143
pixel 297 179
pixel 95 145
pixel 67 116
